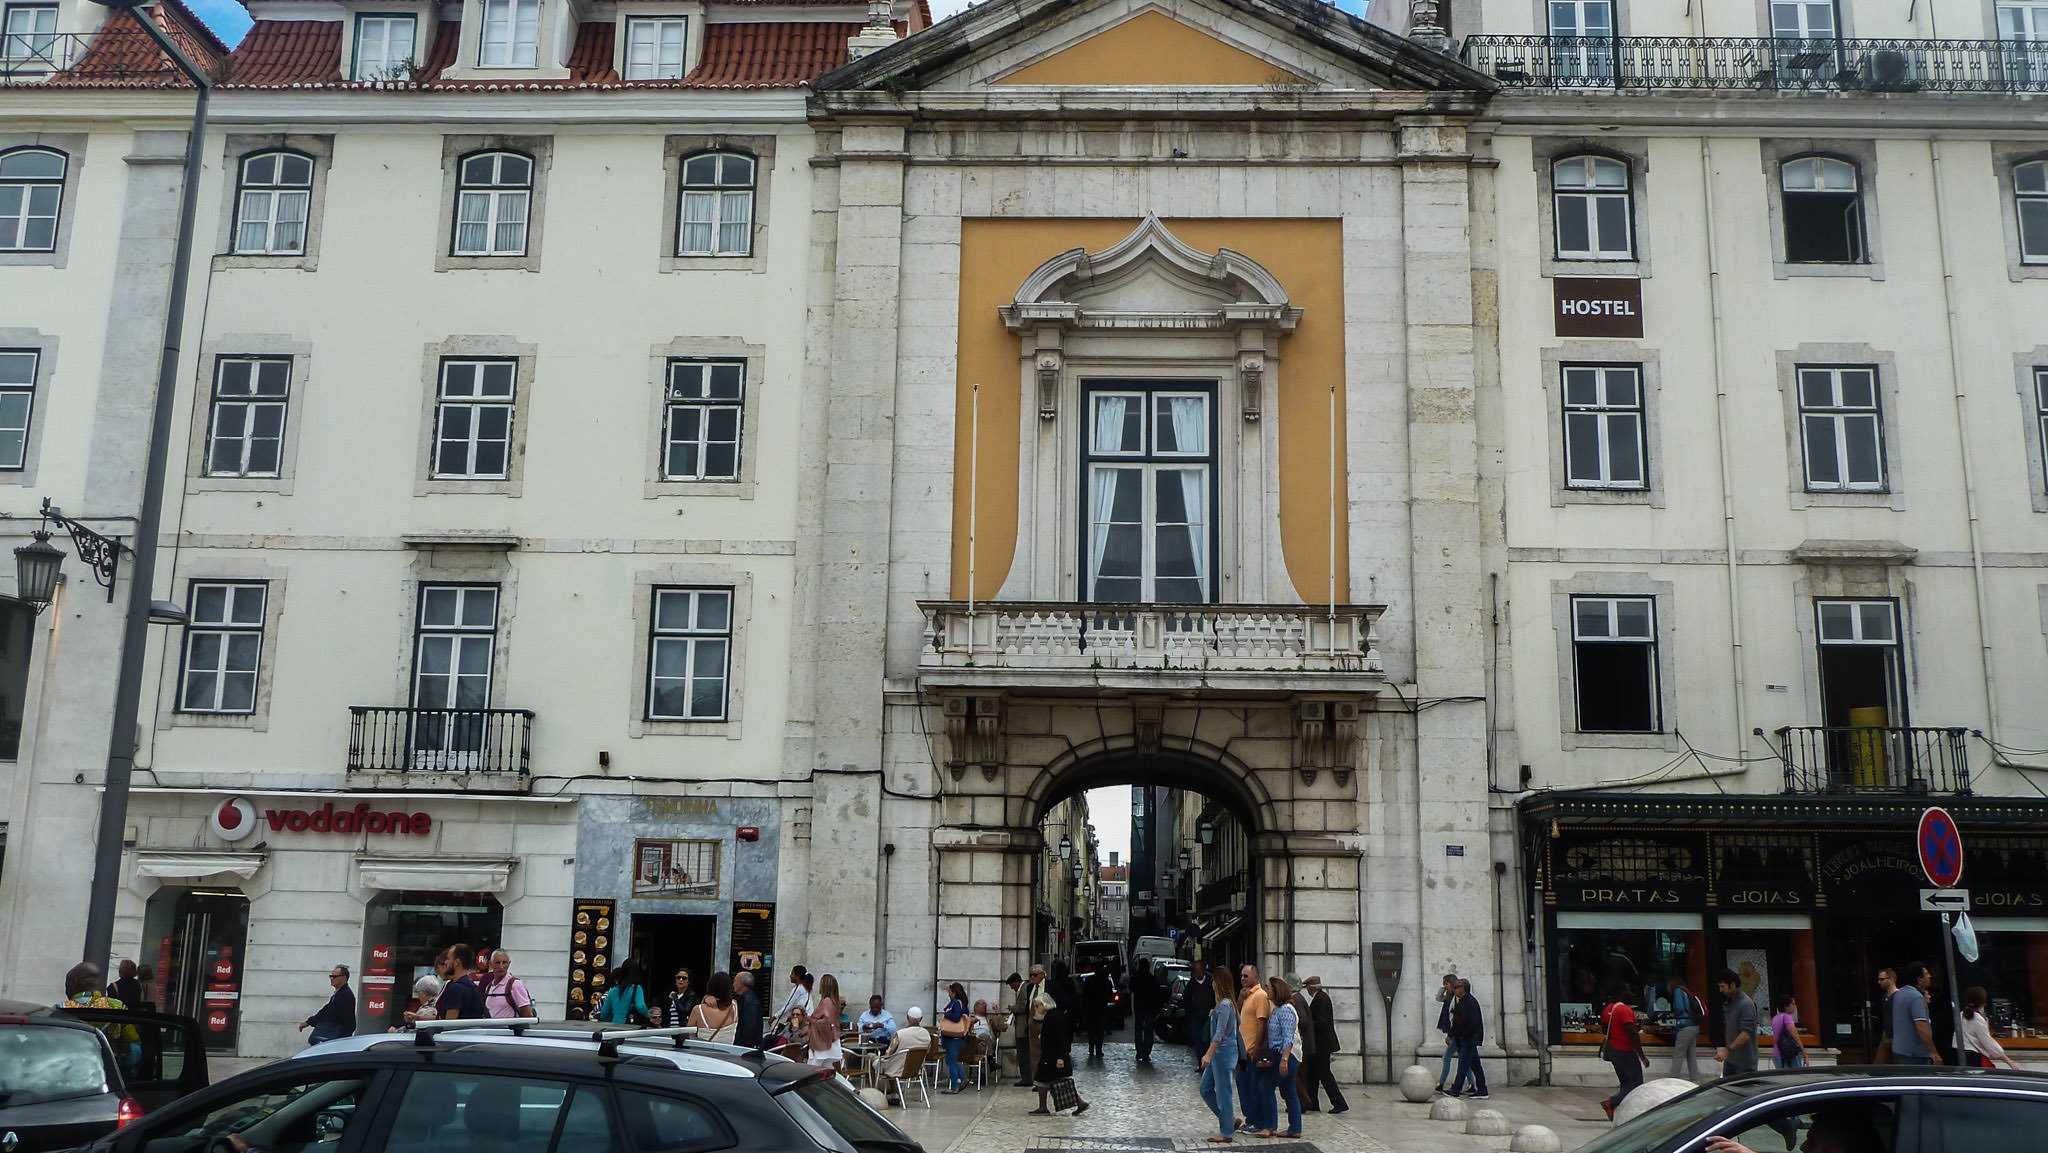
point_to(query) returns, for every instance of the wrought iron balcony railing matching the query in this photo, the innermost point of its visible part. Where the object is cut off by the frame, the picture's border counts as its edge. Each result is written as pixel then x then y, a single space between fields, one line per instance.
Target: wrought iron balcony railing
pixel 1215 638
pixel 1875 760
pixel 1761 63
pixel 111 56
pixel 396 740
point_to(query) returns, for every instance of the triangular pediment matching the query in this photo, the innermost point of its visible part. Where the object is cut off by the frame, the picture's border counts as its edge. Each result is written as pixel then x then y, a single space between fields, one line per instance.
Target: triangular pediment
pixel 1017 46
pixel 1151 48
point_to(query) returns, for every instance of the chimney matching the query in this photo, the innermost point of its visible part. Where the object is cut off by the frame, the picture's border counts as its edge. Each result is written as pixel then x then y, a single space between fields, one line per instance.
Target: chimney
pixel 1112 858
pixel 878 33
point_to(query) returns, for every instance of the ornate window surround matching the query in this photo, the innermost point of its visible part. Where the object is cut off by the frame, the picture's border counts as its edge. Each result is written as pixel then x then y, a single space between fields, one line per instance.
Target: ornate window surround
pixel 1150 307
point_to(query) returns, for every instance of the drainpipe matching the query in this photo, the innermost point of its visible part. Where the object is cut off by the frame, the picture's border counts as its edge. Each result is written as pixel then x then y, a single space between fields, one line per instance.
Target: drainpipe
pixel 1955 372
pixel 1721 406
pixel 882 923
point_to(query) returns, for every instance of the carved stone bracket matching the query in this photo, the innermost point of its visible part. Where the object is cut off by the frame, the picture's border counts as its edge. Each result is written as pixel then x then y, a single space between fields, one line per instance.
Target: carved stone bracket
pixel 1326 732
pixel 974 733
pixel 1046 368
pixel 1148 723
pixel 1251 381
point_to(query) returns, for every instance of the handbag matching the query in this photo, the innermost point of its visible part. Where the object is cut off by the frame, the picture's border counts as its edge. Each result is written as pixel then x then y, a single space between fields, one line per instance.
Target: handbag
pixel 958 1028
pixel 1065 1095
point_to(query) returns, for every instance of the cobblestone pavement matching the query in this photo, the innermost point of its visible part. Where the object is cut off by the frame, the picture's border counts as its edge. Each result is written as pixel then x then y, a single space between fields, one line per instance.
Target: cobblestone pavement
pixel 1155 1108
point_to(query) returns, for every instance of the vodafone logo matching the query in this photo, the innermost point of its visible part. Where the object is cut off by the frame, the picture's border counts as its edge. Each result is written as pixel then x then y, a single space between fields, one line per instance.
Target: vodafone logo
pixel 233 820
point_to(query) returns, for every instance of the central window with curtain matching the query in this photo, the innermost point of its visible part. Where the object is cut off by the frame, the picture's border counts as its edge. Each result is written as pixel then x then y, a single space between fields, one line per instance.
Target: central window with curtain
pixel 1149 498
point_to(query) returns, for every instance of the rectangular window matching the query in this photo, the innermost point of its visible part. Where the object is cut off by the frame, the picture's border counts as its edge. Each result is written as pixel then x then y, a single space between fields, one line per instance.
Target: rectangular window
pixel 1582 41
pixel 223 647
pixel 2041 409
pixel 28 36
pixel 689 653
pixel 385 47
pixel 1149 495
pixel 17 404
pixel 511 34
pixel 702 441
pixel 1840 424
pixel 1614 660
pixel 473 419
pixel 654 48
pixel 245 433
pixel 1603 426
pixel 454 643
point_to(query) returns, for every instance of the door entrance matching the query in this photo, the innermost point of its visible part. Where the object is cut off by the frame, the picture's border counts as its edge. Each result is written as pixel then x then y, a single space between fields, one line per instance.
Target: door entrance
pixel 200 938
pixel 1862 943
pixel 665 942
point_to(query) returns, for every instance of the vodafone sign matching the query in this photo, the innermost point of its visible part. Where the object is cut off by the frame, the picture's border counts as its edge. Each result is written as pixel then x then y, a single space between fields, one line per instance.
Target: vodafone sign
pixel 236 818
pixel 233 820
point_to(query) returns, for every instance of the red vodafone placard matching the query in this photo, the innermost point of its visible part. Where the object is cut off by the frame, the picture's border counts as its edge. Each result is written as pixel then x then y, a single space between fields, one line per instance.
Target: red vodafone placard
pixel 217 1020
pixel 1941 848
pixel 223 970
pixel 375 1005
pixel 380 954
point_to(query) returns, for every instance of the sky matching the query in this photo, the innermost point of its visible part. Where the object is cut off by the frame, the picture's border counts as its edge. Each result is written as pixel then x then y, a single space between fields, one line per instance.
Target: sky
pixel 229 20
pixel 1109 810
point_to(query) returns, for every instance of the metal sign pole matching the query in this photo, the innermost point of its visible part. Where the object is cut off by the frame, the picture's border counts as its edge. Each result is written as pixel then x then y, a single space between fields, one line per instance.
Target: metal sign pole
pixel 1955 996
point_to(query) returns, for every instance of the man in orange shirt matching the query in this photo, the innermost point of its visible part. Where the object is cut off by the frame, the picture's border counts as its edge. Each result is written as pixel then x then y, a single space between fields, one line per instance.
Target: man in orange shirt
pixel 1253 1007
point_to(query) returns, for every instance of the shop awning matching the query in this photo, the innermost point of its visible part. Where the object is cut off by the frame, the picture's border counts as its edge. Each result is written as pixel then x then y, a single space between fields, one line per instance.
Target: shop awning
pixel 438 874
pixel 193 866
pixel 1221 931
pixel 1775 810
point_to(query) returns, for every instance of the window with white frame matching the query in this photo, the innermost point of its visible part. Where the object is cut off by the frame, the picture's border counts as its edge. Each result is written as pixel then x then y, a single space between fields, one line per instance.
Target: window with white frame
pixel 493 194
pixel 1823 211
pixel 717 217
pixel 17 404
pixel 654 47
pixel 223 647
pixel 1842 428
pixel 245 432
pixel 270 211
pixel 31 194
pixel 702 438
pixel 386 46
pixel 1150 498
pixel 2030 206
pixel 1603 426
pixel 1582 41
pixel 473 419
pixel 689 654
pixel 28 37
pixel 2041 409
pixel 1590 199
pixel 511 34
pixel 1614 664
pixel 454 644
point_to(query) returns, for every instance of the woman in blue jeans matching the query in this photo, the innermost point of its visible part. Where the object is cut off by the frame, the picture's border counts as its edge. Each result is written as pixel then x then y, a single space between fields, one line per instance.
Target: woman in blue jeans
pixel 1219 1062
pixel 956 1010
pixel 1281 1030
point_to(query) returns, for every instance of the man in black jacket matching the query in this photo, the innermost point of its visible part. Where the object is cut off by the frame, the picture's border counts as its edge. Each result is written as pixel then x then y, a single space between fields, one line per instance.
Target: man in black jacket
pixel 1198 999
pixel 1147 998
pixel 1322 1025
pixel 337 1018
pixel 748 1031
pixel 1468 1025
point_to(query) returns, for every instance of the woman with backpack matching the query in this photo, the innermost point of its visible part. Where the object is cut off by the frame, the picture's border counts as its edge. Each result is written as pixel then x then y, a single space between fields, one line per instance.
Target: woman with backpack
pixel 504 994
pixel 625 1003
pixel 1688 1014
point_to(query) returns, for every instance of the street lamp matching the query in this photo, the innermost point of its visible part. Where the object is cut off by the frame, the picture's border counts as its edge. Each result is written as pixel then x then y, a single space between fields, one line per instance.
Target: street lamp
pixel 1066 848
pixel 1206 832
pixel 106 874
pixel 1183 860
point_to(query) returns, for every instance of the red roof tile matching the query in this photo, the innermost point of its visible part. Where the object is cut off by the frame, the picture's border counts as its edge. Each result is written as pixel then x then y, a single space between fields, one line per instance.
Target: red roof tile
pixel 779 54
pixel 121 54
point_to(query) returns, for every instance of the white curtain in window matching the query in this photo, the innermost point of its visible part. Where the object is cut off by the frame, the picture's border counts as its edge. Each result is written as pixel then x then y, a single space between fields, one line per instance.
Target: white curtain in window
pixel 1190 423
pixel 1197 509
pixel 1109 423
pixel 1106 481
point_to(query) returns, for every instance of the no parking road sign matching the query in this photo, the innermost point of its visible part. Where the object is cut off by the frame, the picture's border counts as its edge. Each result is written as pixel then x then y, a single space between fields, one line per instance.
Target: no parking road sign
pixel 1941 848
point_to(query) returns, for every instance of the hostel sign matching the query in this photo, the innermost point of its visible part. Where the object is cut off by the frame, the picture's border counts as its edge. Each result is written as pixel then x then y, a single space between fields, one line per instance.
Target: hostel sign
pixel 1598 306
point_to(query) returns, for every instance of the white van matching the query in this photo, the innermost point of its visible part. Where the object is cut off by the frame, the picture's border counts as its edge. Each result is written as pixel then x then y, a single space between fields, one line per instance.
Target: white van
pixel 1154 947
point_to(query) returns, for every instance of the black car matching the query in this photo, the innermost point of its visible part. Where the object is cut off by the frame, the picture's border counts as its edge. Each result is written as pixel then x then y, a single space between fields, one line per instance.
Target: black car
pixel 70 1075
pixel 1848 1109
pixel 520 1086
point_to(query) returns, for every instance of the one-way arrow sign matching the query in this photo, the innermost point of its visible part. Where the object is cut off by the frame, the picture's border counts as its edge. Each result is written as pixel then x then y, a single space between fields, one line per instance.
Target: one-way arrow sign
pixel 1944 900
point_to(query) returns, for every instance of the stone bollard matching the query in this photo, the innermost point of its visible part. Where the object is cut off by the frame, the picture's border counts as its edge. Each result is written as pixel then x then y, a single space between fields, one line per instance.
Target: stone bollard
pixel 1488 1123
pixel 1649 1095
pixel 1417 1084
pixel 1448 1109
pixel 1536 1139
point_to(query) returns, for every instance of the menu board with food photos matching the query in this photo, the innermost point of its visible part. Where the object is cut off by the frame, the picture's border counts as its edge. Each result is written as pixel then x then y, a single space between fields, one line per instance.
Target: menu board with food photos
pixel 590 955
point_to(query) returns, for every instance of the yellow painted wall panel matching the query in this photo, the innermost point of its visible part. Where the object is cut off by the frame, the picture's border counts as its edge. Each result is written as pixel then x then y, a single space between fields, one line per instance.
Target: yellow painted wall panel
pixel 1152 48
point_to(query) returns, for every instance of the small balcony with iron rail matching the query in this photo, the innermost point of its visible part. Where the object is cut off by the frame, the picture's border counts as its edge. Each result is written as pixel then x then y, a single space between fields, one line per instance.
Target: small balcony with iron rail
pixel 1875 760
pixel 110 57
pixel 1767 64
pixel 478 750
pixel 1081 645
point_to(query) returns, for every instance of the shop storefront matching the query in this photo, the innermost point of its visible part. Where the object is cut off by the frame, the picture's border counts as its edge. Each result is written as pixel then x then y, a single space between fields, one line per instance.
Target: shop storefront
pixel 1800 895
pixel 673 882
pixel 242 902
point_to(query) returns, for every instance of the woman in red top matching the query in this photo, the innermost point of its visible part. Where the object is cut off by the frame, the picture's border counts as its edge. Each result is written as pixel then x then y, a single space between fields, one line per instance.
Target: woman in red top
pixel 1624 1047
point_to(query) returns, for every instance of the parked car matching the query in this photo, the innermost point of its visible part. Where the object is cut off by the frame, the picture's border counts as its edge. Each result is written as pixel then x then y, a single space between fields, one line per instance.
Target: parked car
pixel 1173 977
pixel 1846 1109
pixel 68 1076
pixel 520 1085
pixel 1107 956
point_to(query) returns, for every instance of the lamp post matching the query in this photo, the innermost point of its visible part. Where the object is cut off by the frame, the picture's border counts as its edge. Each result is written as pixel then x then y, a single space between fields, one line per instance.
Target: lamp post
pixel 1066 848
pixel 106 874
pixel 1206 833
